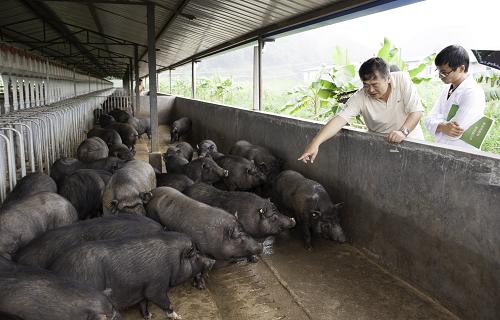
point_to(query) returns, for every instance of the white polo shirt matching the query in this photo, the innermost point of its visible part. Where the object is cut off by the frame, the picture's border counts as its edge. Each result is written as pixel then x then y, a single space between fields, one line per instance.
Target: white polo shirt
pixel 384 117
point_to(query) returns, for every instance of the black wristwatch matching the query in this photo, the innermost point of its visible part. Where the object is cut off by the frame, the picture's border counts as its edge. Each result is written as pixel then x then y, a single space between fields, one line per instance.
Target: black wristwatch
pixel 405 131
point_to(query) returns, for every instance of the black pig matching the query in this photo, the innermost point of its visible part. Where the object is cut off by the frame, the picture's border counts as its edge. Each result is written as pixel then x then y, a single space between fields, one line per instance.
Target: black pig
pixel 137 269
pixel 24 220
pixel 311 205
pixel 259 217
pixel 174 180
pixel 185 149
pixel 243 174
pixel 92 149
pixel 30 184
pixel 42 251
pixel 127 132
pixel 216 232
pixel 142 125
pixel 180 128
pixel 263 158
pixel 129 188
pixel 35 294
pixel 174 160
pixel 110 136
pixel 66 166
pixel 207 148
pixel 106 119
pixel 122 152
pixel 84 188
pixel 204 170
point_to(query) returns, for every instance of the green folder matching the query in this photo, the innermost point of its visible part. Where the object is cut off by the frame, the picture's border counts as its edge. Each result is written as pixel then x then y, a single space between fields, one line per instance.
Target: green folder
pixel 477 132
pixel 452 112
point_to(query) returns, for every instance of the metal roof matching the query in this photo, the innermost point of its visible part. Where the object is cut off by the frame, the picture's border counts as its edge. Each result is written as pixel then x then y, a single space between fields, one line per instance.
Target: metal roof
pixel 98 36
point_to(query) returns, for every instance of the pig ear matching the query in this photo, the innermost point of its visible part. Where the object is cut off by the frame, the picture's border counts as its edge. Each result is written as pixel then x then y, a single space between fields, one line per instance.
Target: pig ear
pixel 338 205
pixel 146 196
pixel 197 147
pixel 236 215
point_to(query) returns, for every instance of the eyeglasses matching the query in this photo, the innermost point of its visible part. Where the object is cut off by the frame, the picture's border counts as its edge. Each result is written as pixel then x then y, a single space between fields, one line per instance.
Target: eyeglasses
pixel 445 74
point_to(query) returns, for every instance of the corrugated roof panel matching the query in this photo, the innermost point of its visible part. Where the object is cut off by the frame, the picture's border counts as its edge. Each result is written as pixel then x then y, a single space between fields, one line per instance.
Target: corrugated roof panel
pixel 216 22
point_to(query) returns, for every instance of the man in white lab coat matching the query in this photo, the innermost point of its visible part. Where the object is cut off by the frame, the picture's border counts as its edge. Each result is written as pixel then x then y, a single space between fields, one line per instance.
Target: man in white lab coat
pixel 463 91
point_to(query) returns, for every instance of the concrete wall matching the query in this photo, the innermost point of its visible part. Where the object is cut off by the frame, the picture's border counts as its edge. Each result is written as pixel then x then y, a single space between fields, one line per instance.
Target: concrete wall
pixel 165 107
pixel 429 215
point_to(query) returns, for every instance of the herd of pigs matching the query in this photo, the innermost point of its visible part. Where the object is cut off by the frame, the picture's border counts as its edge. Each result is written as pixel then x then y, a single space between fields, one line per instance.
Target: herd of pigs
pixel 105 232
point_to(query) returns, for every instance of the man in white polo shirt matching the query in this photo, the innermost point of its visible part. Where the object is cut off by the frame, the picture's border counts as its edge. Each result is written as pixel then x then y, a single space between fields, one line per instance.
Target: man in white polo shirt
pixel 388 102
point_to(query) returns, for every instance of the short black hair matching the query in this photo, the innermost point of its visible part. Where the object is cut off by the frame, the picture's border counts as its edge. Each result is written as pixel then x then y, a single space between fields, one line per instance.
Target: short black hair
pixel 370 66
pixel 454 56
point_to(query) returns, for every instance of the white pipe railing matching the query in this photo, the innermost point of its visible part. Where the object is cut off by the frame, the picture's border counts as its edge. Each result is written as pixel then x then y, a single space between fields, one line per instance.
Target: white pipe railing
pixel 32 139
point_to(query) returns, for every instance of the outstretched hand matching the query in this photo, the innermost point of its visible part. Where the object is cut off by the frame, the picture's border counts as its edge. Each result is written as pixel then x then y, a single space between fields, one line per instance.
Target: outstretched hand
pixel 309 154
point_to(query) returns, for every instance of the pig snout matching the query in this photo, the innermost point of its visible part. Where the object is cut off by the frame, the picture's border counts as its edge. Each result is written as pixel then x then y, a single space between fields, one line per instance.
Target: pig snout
pixel 207 263
pixel 333 231
pixel 337 234
pixel 256 248
pixel 286 223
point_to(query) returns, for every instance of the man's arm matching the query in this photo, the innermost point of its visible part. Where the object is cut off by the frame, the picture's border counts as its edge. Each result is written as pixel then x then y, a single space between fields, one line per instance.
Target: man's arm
pixel 411 122
pixel 329 130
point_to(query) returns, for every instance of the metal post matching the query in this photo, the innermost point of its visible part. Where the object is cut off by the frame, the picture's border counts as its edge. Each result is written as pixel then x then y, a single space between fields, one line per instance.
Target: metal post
pixel 152 78
pixel 131 86
pixel 257 75
pixel 136 74
pixel 193 79
pixel 74 81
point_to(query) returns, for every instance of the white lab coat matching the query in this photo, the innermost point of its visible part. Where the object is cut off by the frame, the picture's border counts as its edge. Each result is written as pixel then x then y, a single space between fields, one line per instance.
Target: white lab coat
pixel 469 97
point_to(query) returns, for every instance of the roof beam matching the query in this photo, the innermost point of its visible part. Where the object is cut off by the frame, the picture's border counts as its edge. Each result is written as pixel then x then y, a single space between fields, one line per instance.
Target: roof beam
pixel 112 38
pixel 97 22
pixel 46 14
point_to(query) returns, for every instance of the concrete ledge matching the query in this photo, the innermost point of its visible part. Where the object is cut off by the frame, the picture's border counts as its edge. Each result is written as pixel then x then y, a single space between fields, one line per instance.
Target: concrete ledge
pixel 426 213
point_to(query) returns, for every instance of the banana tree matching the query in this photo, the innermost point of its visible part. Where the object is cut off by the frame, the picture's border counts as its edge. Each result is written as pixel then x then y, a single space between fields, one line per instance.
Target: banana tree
pixel 392 55
pixel 326 94
pixel 492 92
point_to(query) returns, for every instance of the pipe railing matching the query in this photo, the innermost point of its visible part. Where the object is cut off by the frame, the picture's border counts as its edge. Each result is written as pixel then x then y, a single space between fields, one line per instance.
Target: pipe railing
pixel 32 139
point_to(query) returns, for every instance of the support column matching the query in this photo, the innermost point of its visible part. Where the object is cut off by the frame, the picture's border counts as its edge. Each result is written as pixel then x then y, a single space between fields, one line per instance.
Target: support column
pixel 193 79
pixel 21 93
pixel 257 75
pixel 136 75
pixel 170 80
pixel 27 101
pixel 74 82
pixel 14 93
pixel 131 86
pixel 5 80
pixel 155 147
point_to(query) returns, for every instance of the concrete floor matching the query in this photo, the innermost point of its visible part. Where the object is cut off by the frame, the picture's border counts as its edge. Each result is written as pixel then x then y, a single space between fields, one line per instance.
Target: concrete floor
pixel 330 282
